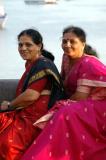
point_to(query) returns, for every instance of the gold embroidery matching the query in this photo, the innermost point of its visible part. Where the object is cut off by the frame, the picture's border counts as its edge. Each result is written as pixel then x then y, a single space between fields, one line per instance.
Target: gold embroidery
pixel 41 74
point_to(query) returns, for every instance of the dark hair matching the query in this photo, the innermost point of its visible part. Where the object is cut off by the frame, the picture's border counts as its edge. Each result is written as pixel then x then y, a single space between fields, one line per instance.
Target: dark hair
pixel 77 31
pixel 34 34
pixel 90 51
pixel 48 55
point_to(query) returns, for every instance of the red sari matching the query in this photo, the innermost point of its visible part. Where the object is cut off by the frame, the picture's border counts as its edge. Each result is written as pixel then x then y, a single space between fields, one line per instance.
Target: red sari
pixel 76 129
pixel 17 131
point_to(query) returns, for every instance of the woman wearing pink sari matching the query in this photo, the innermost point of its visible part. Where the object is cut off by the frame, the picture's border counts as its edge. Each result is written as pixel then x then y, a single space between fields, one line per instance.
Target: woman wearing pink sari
pixel 76 129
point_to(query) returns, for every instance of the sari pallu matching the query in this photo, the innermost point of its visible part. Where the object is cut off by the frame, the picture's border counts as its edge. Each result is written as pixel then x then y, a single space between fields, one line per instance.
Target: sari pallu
pixel 45 67
pixel 76 130
pixel 16 127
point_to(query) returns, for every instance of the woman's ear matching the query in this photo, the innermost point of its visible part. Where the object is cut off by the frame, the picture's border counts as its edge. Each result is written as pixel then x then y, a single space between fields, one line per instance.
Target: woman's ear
pixel 40 47
pixel 84 44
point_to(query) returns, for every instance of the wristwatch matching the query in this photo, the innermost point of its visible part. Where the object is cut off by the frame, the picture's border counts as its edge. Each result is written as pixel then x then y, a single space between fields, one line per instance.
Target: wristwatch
pixel 8 104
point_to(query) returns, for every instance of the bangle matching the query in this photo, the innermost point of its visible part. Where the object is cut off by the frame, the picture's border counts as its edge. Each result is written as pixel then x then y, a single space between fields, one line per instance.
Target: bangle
pixel 8 104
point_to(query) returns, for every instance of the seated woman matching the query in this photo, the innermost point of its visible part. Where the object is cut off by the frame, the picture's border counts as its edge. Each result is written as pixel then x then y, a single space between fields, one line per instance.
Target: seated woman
pixel 76 129
pixel 38 89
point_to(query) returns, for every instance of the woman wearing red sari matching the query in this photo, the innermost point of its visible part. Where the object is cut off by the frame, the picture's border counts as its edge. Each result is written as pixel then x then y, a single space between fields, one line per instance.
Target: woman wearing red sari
pixel 35 95
pixel 76 129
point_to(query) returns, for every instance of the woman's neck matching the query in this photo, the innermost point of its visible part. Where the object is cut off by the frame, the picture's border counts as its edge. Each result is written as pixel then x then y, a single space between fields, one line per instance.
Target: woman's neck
pixel 30 62
pixel 73 61
pixel 33 60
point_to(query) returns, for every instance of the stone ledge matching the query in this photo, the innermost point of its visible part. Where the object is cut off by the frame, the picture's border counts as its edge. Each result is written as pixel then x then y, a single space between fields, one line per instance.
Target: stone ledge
pixel 8 89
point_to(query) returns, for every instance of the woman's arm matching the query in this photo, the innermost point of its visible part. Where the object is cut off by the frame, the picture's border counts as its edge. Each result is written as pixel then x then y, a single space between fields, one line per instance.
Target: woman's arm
pixel 79 96
pixel 29 96
pixel 23 100
pixel 26 98
pixel 82 92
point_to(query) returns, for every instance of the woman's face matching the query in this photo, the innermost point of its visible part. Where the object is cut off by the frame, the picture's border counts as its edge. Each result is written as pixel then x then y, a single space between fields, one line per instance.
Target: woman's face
pixel 28 49
pixel 72 45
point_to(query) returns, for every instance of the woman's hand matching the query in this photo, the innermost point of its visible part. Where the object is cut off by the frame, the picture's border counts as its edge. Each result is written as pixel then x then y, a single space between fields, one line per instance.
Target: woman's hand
pixel 4 105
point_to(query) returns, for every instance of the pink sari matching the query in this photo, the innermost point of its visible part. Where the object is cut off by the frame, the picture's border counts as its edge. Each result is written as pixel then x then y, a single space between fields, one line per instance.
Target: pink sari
pixel 77 130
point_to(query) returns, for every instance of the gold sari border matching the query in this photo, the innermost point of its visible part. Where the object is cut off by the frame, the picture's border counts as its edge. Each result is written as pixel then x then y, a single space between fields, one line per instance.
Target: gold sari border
pixel 41 74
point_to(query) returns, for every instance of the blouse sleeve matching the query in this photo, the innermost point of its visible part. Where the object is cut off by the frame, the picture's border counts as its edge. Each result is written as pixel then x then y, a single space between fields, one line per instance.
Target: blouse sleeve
pixel 39 85
pixel 92 73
